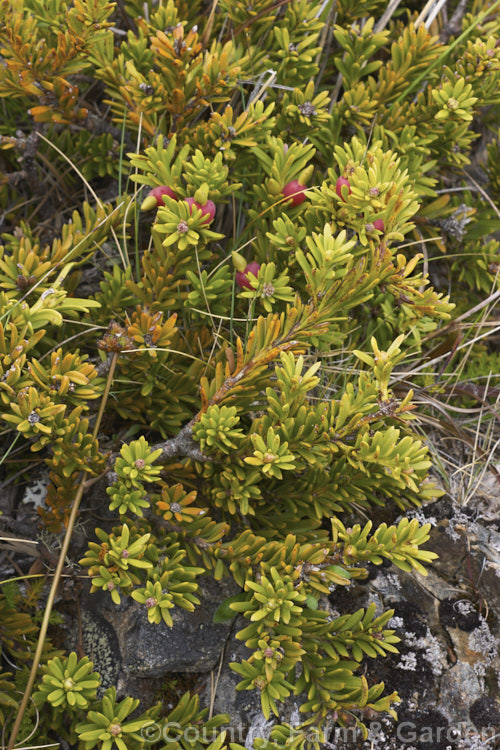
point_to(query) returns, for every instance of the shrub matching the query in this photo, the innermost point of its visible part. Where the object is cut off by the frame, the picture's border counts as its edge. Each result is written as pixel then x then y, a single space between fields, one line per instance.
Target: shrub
pixel 267 410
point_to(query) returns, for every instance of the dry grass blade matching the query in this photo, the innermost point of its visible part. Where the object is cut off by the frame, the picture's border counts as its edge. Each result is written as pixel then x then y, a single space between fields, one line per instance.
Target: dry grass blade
pixel 17 545
pixel 325 41
pixel 388 14
pixel 208 28
pixel 214 683
pixel 429 13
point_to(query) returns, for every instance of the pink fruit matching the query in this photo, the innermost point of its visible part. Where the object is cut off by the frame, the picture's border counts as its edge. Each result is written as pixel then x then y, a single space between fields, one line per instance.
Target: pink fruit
pixel 295 191
pixel 340 184
pixel 191 202
pixel 208 209
pixel 155 197
pixel 242 276
pixel 160 191
pixel 379 224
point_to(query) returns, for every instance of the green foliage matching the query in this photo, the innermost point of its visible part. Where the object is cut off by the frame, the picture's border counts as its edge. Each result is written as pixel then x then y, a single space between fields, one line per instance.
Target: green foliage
pixel 108 727
pixel 267 287
pixel 120 556
pixel 68 683
pixel 133 467
pixel 241 425
pixel 215 429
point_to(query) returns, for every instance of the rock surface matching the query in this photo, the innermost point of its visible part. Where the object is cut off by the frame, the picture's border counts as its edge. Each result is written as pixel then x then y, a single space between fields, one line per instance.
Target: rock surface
pixel 447 671
pixel 139 657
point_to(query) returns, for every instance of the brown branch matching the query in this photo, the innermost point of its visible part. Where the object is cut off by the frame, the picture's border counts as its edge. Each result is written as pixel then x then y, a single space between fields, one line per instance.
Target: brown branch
pixel 98 126
pixel 181 445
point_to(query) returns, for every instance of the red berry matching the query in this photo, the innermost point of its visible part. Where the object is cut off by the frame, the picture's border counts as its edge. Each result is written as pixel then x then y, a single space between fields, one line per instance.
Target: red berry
pixel 242 276
pixel 340 184
pixel 208 209
pixel 191 202
pixel 379 224
pixel 159 192
pixel 295 191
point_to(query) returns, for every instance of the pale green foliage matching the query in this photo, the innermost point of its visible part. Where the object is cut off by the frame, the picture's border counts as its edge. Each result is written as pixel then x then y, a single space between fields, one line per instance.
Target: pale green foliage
pixel 216 429
pixel 68 682
pixel 110 727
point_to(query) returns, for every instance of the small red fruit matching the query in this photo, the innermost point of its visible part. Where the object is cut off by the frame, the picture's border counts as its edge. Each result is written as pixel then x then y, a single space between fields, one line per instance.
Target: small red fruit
pixel 191 202
pixel 155 197
pixel 340 184
pixel 295 191
pixel 160 191
pixel 242 276
pixel 379 224
pixel 207 210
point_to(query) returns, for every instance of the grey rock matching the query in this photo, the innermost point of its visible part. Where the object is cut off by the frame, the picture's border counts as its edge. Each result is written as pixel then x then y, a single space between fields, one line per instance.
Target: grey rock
pixel 193 644
pixel 137 656
pixel 243 706
pixel 98 639
pixel 460 687
pixel 101 646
